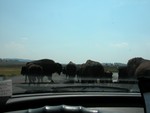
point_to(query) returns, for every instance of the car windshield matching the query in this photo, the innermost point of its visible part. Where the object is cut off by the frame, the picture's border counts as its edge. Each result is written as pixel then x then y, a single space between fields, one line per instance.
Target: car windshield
pixel 61 46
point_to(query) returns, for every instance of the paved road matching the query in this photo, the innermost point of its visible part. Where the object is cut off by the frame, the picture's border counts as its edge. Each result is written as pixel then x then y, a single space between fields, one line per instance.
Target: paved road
pixel 19 85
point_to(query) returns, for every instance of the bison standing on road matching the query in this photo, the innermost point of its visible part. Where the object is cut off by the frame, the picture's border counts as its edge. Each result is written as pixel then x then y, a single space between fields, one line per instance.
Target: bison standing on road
pixel 70 70
pixel 41 68
pixel 132 66
pixel 91 71
pixel 135 68
pixel 32 72
pixel 108 75
pixel 138 67
pixel 24 72
pixel 49 67
pixel 122 72
pixel 35 71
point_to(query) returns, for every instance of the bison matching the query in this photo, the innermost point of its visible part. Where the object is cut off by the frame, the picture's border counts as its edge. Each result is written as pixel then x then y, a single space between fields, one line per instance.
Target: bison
pixel 70 70
pixel 35 71
pixel 41 68
pixel 91 71
pixel 122 72
pixel 24 72
pixel 138 67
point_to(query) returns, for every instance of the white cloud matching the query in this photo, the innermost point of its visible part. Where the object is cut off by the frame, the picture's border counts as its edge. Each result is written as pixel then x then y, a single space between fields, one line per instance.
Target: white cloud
pixel 120 45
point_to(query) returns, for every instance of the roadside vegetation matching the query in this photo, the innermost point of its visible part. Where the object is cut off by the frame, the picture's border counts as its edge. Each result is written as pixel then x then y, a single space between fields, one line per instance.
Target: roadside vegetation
pixel 14 70
pixel 10 68
pixel 111 68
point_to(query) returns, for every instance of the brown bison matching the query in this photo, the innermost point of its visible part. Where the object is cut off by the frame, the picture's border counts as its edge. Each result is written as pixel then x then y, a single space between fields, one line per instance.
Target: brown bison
pixel 70 70
pixel 41 68
pixel 122 72
pixel 91 71
pixel 138 67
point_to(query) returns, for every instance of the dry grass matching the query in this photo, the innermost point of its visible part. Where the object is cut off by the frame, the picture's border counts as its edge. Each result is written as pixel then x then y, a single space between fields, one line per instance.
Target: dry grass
pixel 10 70
pixel 112 69
pixel 14 70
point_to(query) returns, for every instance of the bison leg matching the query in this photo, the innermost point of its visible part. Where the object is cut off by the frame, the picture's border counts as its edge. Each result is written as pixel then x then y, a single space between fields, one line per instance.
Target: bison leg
pixel 40 78
pixel 50 78
pixel 32 79
pixel 26 77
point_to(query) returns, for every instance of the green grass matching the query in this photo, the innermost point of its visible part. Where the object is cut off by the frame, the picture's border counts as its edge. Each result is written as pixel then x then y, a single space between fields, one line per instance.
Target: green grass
pixel 111 68
pixel 14 70
pixel 10 70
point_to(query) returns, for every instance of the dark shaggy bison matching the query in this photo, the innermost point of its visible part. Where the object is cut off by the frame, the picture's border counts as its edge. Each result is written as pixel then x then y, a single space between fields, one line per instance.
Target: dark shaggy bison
pixel 122 72
pixel 132 65
pixel 24 72
pixel 35 71
pixel 70 70
pixel 32 72
pixel 107 76
pixel 47 66
pixel 138 67
pixel 91 71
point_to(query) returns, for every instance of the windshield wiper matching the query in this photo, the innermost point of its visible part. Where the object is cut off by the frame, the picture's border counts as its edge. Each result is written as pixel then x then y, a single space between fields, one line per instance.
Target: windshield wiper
pixel 49 88
pixel 89 88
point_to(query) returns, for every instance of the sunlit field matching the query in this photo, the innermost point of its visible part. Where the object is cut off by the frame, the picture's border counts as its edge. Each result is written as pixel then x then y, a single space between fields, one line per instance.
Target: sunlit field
pixel 111 68
pixel 10 68
pixel 10 71
pixel 14 70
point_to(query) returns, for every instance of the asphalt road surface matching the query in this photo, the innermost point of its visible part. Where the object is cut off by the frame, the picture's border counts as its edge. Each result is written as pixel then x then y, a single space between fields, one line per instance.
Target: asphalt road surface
pixel 19 85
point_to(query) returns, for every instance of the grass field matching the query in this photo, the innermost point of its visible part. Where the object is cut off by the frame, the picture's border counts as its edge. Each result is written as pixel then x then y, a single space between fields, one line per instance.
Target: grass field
pixel 14 69
pixel 111 68
pixel 10 70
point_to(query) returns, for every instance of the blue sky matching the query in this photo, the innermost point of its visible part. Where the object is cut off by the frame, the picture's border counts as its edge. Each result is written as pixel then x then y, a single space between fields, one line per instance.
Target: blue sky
pixel 75 30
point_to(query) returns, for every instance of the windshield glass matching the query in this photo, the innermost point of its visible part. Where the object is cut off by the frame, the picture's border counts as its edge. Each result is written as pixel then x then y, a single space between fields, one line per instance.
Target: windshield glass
pixel 73 45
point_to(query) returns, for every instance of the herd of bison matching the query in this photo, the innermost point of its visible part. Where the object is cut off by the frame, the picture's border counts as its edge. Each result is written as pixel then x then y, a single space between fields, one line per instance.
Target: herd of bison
pixel 88 72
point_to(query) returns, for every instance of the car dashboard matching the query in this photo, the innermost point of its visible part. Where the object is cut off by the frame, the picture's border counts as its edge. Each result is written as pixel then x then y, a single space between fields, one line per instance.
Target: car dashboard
pixel 93 102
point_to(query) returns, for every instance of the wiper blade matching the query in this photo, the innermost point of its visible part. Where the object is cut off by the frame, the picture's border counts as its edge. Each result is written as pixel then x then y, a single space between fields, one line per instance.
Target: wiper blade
pixel 89 88
pixel 52 88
